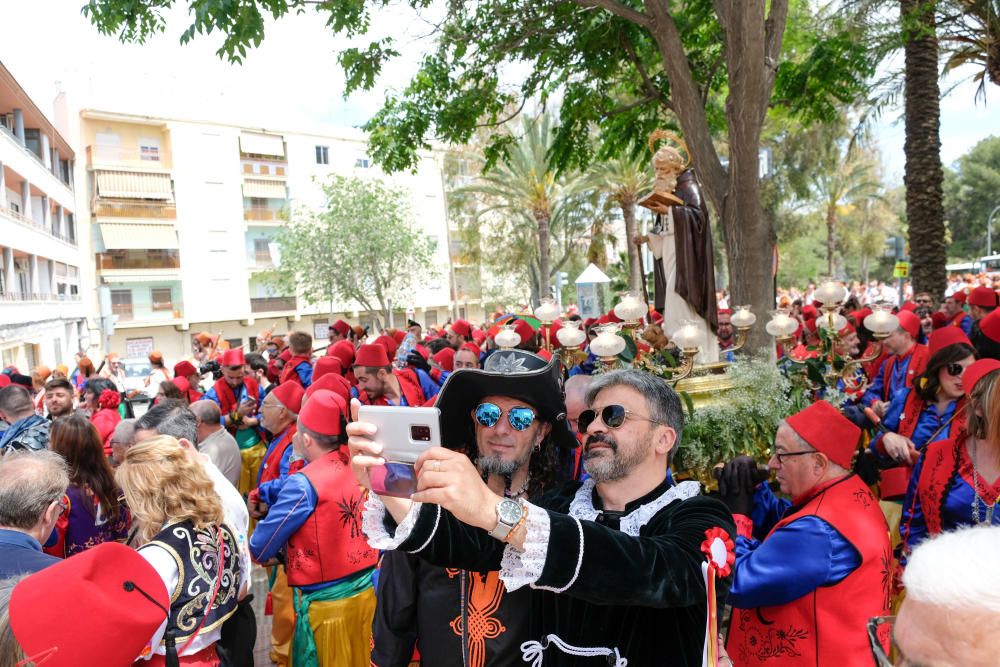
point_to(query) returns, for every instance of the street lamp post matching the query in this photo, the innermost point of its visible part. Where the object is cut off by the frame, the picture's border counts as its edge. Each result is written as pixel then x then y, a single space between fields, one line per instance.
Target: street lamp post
pixel 989 231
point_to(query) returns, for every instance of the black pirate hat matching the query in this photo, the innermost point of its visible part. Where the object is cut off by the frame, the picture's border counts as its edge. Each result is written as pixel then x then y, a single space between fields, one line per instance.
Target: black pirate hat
pixel 514 373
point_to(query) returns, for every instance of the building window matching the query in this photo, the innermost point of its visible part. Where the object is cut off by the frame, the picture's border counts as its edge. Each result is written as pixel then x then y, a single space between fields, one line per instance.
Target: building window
pixel 149 149
pixel 362 163
pixel 121 303
pixel 430 318
pixel 262 252
pixel 162 298
pixel 322 155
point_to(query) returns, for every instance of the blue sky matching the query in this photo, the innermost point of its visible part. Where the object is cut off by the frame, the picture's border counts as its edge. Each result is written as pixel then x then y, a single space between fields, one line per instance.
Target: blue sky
pixel 292 81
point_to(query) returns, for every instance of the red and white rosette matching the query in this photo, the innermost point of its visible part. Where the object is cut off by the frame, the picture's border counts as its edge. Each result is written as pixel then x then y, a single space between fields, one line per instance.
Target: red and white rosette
pixel 720 554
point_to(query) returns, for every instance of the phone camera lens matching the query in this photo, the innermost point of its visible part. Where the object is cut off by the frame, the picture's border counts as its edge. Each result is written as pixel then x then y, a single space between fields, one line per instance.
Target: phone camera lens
pixel 420 433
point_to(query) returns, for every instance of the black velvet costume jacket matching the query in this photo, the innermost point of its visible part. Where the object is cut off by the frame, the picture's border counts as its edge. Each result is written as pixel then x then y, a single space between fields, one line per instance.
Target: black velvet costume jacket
pixel 614 585
pixel 420 605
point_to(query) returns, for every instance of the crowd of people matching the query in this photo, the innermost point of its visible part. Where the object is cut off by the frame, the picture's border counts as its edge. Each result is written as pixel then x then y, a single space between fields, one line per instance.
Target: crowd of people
pixel 548 528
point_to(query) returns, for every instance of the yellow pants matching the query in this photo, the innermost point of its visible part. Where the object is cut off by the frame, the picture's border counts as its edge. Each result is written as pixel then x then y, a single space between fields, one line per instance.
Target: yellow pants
pixel 252 457
pixel 343 630
pixel 282 619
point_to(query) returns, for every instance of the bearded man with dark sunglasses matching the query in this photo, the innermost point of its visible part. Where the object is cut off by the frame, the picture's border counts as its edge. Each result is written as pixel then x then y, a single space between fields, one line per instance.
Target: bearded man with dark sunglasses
pixel 614 567
pixel 509 419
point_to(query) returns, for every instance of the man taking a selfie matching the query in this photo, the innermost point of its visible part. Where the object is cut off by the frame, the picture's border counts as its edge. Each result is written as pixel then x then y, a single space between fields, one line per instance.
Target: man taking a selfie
pixel 509 419
pixel 613 565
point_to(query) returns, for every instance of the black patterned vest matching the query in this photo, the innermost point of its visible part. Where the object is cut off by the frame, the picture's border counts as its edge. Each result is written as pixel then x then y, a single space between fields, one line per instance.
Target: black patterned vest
pixel 196 553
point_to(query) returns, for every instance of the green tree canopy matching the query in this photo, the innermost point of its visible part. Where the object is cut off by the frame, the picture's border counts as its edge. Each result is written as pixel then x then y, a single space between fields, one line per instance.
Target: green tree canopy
pixel 363 246
pixel 972 191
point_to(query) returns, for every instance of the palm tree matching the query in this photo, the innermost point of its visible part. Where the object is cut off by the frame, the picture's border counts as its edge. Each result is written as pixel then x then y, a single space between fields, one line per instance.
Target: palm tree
pixel 527 187
pixel 847 180
pixel 970 34
pixel 624 180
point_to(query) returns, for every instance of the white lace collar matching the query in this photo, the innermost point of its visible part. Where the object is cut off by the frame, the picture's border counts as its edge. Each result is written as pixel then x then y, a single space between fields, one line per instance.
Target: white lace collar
pixel 582 506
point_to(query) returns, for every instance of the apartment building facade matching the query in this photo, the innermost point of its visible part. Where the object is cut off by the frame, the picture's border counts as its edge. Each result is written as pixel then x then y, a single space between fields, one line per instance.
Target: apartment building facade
pixel 183 217
pixel 43 315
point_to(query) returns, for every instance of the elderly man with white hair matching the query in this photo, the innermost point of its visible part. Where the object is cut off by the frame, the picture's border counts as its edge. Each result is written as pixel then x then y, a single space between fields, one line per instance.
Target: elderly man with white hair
pixel 951 614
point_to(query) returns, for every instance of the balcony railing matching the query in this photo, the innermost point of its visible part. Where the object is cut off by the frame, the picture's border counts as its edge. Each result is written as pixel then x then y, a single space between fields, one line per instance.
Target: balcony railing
pixel 147 160
pixel 265 214
pixel 38 296
pixel 140 260
pixel 37 226
pixel 260 262
pixel 54 170
pixel 272 304
pixel 151 210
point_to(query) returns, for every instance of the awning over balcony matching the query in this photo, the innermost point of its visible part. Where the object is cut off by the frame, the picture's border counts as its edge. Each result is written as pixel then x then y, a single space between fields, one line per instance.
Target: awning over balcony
pixel 133 185
pixel 143 278
pixel 138 237
pixel 262 144
pixel 253 187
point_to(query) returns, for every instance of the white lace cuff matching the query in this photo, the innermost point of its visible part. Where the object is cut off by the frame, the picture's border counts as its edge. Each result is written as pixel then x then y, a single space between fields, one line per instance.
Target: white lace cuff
pixel 373 524
pixel 522 568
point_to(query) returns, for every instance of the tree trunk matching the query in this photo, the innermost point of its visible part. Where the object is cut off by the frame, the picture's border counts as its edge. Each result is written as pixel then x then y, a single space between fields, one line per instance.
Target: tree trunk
pixel 543 255
pixel 634 274
pixel 831 238
pixel 923 176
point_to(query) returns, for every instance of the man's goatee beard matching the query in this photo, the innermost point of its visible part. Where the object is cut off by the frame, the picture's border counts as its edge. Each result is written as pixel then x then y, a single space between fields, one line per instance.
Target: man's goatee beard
pixel 494 465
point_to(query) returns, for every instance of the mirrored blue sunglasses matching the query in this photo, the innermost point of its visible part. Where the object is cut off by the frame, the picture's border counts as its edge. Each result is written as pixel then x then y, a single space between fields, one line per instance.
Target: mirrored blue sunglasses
pixel 520 417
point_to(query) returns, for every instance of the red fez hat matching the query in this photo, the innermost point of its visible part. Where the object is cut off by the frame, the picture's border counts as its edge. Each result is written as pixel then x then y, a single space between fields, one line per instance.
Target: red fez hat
pixel 976 372
pixel 983 297
pixel 479 336
pixel 58 614
pixel 590 321
pixel 462 328
pixel 826 430
pixel 908 306
pixel 232 358
pixel 445 359
pixel 388 344
pixel 422 351
pixel 656 317
pixel 371 355
pixel 603 319
pixel 939 320
pixel 322 413
pixel 290 395
pixel 946 337
pixel 909 322
pixel 810 325
pixel 4 380
pixel 524 330
pixel 990 326
pixel 341 327
pixel 544 354
pixel 549 333
pixel 960 295
pixel 472 347
pixel 847 329
pixel 184 369
pixel 612 317
pixel 725 311
pixel 344 351
pixel 181 383
pixel 809 311
pixel 338 384
pixel 326 365
pixel 398 335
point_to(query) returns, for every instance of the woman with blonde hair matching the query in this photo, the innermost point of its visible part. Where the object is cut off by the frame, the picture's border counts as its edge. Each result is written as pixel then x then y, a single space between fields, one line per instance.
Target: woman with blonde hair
pixel 180 518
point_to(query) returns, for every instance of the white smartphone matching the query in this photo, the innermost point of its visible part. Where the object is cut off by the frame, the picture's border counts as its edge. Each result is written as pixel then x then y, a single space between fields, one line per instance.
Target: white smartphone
pixel 404 434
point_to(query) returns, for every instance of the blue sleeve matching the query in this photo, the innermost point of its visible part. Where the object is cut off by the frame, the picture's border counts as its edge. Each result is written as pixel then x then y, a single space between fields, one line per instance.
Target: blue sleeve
pixel 767 509
pixel 295 503
pixel 967 325
pixel 427 385
pixel 305 372
pixel 875 389
pixel 211 395
pixel 893 415
pixel 912 525
pixel 354 392
pixel 268 492
pixel 767 574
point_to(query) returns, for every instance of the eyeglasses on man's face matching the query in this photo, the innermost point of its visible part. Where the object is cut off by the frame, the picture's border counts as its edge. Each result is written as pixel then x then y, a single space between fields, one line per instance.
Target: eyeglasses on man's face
pixel 881 628
pixel 781 456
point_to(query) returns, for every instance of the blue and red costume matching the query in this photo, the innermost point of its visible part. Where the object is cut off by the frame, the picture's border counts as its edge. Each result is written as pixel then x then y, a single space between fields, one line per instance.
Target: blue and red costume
pixel 895 374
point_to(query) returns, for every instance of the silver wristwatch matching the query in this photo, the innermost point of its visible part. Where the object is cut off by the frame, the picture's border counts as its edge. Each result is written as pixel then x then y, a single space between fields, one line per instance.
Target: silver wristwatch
pixel 509 513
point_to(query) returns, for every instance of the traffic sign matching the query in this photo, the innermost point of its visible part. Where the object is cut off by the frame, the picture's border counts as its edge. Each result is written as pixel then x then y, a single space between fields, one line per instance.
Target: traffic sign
pixel 901 270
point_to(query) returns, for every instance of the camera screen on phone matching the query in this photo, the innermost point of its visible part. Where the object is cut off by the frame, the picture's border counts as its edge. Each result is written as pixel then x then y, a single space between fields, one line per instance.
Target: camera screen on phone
pixel 394 479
